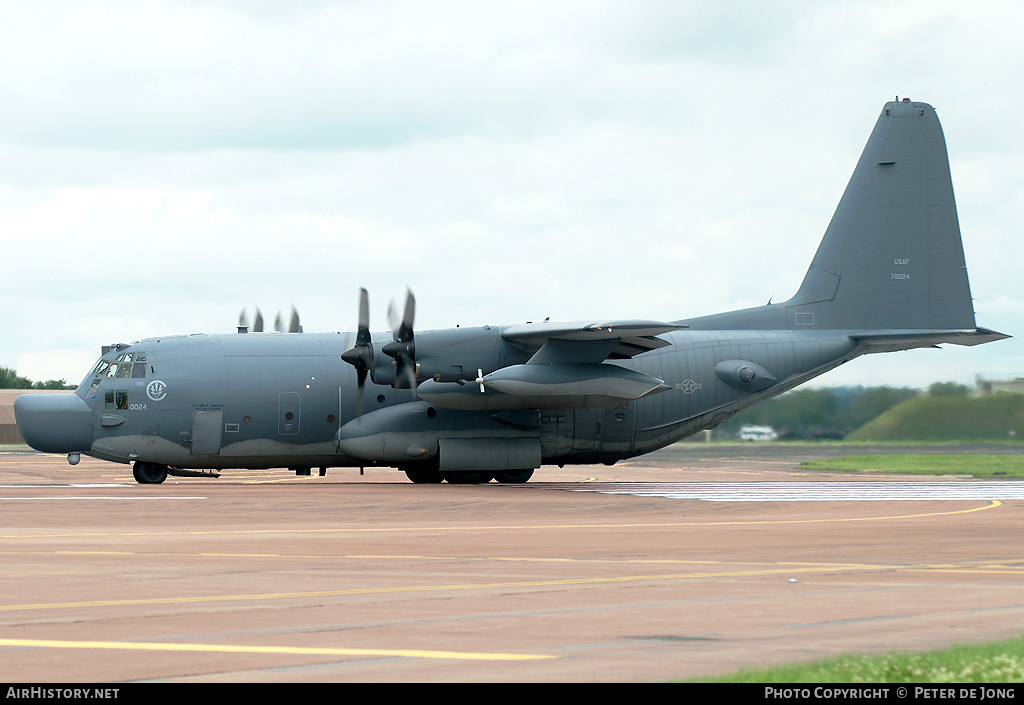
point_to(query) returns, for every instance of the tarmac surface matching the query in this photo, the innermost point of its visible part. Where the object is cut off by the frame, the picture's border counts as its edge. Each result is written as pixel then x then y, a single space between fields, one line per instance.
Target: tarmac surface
pixel 585 574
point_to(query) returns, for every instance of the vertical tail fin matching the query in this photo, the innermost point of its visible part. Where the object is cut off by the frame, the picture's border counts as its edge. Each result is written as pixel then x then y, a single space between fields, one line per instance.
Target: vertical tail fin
pixel 892 257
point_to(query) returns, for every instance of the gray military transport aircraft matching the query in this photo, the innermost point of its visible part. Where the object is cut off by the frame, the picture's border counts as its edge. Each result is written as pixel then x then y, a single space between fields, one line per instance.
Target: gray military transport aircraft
pixel 468 405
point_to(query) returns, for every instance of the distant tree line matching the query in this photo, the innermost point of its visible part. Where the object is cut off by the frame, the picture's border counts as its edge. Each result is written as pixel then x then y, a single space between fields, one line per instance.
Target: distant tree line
pixel 10 379
pixel 823 414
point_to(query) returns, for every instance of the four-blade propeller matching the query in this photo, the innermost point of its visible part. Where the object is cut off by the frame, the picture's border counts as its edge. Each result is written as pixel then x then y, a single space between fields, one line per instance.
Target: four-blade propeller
pixel 402 348
pixel 294 326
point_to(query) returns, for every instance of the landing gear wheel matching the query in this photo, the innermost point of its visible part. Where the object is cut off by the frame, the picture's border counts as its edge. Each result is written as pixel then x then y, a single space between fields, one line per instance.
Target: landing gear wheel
pixel 423 476
pixel 513 477
pixel 149 473
pixel 477 477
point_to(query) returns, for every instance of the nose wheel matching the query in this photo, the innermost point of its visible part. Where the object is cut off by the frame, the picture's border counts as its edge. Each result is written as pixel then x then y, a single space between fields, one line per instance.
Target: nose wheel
pixel 149 473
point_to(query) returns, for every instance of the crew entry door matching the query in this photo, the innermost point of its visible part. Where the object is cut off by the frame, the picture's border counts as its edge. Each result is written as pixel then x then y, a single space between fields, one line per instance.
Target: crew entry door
pixel 206 432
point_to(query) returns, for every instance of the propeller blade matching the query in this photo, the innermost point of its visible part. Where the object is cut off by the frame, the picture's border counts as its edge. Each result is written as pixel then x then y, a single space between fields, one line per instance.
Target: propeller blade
pixel 360 355
pixel 408 367
pixel 403 346
pixel 243 320
pixel 360 385
pixel 392 317
pixel 480 380
pixel 294 326
pixel 277 322
pixel 363 332
pixel 402 329
pixel 257 327
pixel 404 332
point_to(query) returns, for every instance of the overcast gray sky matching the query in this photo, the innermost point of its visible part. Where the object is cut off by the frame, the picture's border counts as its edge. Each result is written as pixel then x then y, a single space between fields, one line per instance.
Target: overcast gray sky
pixel 166 164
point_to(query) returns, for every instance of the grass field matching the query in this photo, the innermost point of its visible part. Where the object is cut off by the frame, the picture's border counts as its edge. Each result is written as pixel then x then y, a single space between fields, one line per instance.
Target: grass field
pixel 994 466
pixel 996 662
pixel 943 419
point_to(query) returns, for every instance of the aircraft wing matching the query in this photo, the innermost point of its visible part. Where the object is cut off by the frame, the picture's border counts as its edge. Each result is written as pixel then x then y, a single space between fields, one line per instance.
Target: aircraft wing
pixel 588 341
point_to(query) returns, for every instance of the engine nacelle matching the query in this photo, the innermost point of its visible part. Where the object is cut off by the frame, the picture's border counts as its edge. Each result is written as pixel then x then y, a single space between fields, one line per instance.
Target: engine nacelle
pixel 588 386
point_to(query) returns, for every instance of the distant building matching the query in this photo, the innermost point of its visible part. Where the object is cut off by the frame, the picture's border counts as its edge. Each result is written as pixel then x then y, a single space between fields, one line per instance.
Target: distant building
pixel 1006 383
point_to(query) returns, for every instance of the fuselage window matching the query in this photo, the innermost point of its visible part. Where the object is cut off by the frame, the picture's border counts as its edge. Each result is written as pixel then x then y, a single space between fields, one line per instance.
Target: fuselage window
pixel 115 399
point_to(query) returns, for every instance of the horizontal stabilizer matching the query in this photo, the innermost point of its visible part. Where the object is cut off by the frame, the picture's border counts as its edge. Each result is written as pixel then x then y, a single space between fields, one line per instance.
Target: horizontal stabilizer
pixel 891 340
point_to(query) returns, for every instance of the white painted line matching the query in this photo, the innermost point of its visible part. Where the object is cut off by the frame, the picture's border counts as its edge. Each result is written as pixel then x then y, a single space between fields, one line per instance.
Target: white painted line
pixel 62 486
pixel 822 491
pixel 4 499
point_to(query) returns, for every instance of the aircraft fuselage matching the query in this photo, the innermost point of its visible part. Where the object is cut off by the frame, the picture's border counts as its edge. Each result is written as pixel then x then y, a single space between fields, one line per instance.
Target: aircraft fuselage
pixel 273 400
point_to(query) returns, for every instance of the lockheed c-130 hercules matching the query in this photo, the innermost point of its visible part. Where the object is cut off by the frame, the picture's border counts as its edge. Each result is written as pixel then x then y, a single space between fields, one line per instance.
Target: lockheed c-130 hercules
pixel 469 405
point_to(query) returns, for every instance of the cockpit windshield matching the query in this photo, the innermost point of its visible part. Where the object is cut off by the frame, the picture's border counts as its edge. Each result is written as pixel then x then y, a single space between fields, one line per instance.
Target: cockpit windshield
pixel 126 365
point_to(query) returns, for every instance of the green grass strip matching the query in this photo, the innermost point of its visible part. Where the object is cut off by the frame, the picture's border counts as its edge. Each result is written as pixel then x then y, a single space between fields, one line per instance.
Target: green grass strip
pixel 995 466
pixel 995 662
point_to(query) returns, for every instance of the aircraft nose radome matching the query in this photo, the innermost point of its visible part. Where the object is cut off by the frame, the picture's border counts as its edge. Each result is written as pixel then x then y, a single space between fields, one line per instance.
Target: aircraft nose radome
pixel 54 423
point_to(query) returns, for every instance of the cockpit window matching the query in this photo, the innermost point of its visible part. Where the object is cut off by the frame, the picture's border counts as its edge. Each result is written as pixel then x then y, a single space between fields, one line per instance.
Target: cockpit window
pixel 123 366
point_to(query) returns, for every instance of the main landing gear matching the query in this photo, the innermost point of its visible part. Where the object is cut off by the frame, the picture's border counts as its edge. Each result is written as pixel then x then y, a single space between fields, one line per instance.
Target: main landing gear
pixel 149 473
pixel 473 477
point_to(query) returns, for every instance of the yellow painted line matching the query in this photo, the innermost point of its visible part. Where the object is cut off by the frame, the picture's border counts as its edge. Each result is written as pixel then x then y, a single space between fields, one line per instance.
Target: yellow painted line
pixel 292 650
pixel 986 567
pixel 413 557
pixel 506 527
pixel 195 599
pixel 983 566
pixel 992 571
pixel 516 559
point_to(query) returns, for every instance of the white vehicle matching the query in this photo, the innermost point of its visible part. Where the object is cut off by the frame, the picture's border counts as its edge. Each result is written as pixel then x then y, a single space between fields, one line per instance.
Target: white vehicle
pixel 758 433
